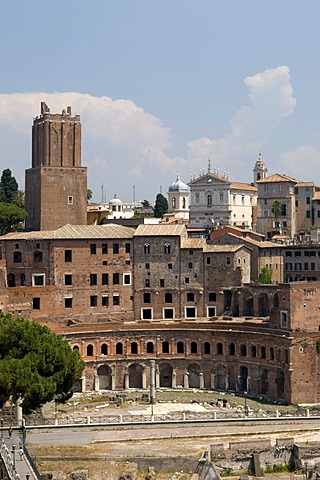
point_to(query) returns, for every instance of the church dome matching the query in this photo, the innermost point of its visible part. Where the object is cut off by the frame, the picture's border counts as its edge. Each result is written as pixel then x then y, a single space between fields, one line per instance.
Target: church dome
pixel 115 200
pixel 178 186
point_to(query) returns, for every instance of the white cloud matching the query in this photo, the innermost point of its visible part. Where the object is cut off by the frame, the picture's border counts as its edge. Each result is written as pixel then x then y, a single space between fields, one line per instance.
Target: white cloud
pixel 271 96
pixel 124 146
pixel 294 163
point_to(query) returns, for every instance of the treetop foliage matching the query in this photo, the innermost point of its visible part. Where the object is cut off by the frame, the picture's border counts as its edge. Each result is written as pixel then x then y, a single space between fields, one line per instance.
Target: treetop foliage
pixel 36 364
pixel 161 206
pixel 11 218
pixel 265 276
pixel 8 186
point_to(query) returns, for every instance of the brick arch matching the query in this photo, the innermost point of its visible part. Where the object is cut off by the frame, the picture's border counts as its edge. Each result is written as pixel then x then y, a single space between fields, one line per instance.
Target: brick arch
pixel 165 371
pixel 194 375
pixel 247 299
pixel 104 373
pixel 135 372
pixel 220 377
pixel 263 305
pixel 263 381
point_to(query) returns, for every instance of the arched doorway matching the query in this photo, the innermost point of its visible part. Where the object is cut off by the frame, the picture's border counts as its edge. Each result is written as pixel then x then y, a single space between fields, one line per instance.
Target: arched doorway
pixel 135 376
pixel 280 384
pixel 165 371
pixel 220 378
pixel 263 305
pixel 105 379
pixel 263 379
pixel 243 379
pixel 194 378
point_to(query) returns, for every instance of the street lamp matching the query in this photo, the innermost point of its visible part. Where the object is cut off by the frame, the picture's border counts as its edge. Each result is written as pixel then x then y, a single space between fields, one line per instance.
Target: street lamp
pixel 1 429
pixel 152 384
pixel 14 455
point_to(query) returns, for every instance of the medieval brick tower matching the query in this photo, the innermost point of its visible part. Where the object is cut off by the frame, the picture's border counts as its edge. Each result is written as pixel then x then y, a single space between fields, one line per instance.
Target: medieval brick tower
pixel 56 184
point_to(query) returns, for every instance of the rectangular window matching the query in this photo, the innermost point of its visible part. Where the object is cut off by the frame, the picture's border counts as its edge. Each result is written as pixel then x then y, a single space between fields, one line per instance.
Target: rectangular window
pixel 68 279
pixel 36 303
pixel 211 312
pixel 212 297
pixel 93 279
pixel 313 266
pixel 105 279
pixel 93 249
pixel 70 200
pixel 208 260
pixel 297 203
pixel 127 279
pixel 170 266
pixel 116 278
pixel 68 302
pixel 162 282
pixel 104 249
pixel 68 255
pixel 38 280
pixel 283 318
pixel 190 312
pixel 115 248
pixel 105 301
pixel 308 200
pixel 147 282
pixel 187 280
pixel 168 313
pixel 147 265
pixel 116 299
pixel 318 213
pixel 146 313
pixel 306 266
pixel 104 262
pixel 308 214
pixel 93 300
pixel 190 265
pixel 128 247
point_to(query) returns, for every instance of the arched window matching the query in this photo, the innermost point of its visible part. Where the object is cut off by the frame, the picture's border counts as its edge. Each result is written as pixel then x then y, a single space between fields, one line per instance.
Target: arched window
pixel 209 201
pixel 165 347
pixel 271 353
pixel 146 249
pixel 119 348
pixel 104 349
pixel 228 261
pixel 183 202
pixel 243 350
pixel 147 297
pixel 174 202
pixel 22 280
pixel 11 280
pixel 263 352
pixel 207 348
pixel 180 347
pixel 232 349
pixel 134 348
pixel 167 248
pixel 89 350
pixel 253 351
pixel 150 347
pixel 75 347
pixel 190 297
pixel 37 257
pixel 194 347
pixel 17 257
pixel 219 348
pixel 168 297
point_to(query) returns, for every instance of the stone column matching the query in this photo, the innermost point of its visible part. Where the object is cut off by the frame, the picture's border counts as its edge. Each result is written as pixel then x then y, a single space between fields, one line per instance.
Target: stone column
pixel 226 382
pixel 213 382
pixel 83 383
pixel 157 378
pixel 19 412
pixel 144 379
pixel 96 383
pixel 186 380
pixel 113 381
pixel 201 381
pixel 126 381
pixel 174 380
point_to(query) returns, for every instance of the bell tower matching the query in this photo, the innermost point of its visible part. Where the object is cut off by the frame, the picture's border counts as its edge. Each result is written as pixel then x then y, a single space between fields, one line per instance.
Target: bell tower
pixel 260 170
pixel 56 184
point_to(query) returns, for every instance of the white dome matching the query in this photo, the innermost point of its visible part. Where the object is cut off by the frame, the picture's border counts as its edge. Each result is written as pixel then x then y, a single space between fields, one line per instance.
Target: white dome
pixel 115 200
pixel 178 186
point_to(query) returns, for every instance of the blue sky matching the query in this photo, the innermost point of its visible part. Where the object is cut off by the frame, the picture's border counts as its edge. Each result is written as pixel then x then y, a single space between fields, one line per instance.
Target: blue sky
pixel 162 85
